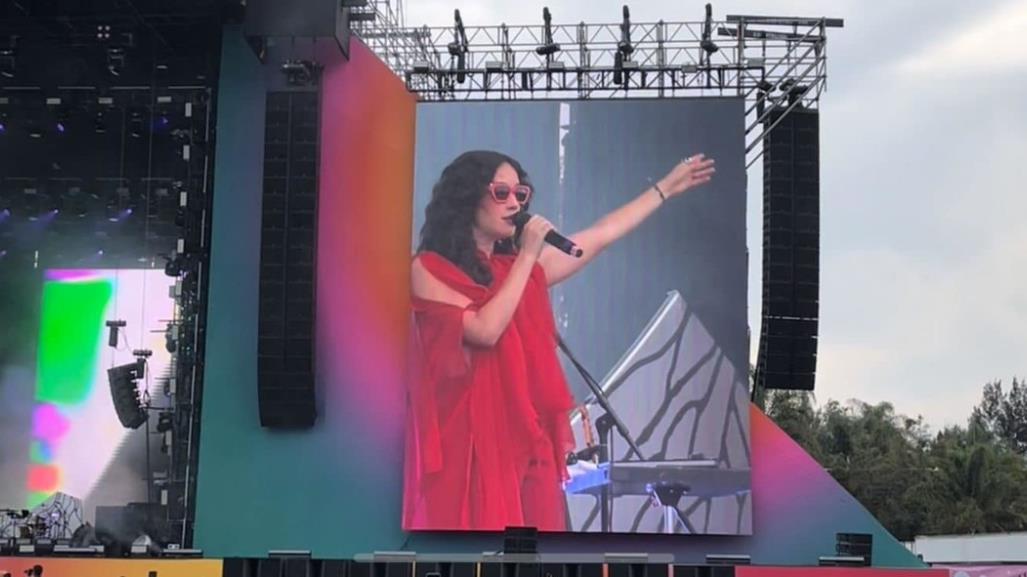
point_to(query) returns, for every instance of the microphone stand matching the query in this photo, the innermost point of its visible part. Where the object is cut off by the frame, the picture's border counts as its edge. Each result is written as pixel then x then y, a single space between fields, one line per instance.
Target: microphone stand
pixel 604 426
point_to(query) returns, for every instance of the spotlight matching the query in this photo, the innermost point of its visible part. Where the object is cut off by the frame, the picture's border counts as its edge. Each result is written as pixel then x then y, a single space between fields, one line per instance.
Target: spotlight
pixel 174 266
pixel 61 126
pixel 100 123
pixel 55 204
pixel 459 47
pixel 549 47
pixel 707 43
pixel 8 59
pixel 112 339
pixel 112 210
pixel 165 422
pixel 135 123
pixel 115 61
pixel 171 338
pixel 624 46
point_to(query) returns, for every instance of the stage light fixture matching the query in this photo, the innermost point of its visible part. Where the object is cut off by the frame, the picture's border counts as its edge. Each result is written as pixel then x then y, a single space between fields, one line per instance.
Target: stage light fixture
pixel 115 61
pixel 135 123
pixel 707 43
pixel 548 48
pixel 114 326
pixel 61 122
pixel 175 264
pixel 797 92
pixel 624 46
pixel 165 421
pixel 171 337
pixel 9 58
pixel 99 123
pixel 459 47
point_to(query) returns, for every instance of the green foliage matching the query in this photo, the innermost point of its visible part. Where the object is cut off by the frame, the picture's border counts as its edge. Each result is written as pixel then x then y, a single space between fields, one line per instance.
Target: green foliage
pixel 959 480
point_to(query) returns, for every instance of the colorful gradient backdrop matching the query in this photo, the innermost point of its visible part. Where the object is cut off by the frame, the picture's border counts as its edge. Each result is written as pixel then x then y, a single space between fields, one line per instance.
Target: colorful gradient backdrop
pixel 336 489
pixel 335 485
pixel 75 430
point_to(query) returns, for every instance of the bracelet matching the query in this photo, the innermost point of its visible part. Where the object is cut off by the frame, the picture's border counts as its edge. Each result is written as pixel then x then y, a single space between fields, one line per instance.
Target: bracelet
pixel 663 197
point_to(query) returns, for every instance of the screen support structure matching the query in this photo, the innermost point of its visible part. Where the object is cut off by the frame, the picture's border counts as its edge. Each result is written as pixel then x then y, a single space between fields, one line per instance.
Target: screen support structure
pixel 774 63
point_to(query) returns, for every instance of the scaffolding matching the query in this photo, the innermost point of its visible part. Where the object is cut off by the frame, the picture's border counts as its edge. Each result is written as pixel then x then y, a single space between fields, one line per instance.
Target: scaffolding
pixel 774 63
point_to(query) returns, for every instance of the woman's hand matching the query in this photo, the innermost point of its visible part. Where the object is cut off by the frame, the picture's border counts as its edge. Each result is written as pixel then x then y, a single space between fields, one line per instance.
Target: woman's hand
pixel 688 173
pixel 533 235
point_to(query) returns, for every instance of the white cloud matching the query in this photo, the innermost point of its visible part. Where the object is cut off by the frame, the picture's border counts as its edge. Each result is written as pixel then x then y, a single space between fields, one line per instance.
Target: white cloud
pixel 994 43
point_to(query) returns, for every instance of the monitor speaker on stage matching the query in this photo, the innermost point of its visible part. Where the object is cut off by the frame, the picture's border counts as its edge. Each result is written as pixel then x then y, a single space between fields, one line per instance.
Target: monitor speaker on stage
pixel 288 258
pixel 855 545
pixel 334 568
pixel 791 251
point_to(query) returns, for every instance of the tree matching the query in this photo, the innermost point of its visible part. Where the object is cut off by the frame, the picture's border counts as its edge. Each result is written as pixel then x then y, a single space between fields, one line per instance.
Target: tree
pixel 794 413
pixel 1005 415
pixel 977 485
pixel 969 479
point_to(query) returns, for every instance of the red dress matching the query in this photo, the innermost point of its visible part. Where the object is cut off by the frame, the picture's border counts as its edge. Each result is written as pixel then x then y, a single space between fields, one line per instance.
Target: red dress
pixel 488 429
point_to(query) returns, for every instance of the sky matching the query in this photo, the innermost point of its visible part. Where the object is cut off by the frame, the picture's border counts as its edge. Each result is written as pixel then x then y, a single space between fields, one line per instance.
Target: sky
pixel 923 214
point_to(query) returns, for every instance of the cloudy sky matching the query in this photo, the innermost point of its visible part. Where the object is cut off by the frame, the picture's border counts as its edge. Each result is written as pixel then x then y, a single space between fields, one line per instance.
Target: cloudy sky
pixel 923 160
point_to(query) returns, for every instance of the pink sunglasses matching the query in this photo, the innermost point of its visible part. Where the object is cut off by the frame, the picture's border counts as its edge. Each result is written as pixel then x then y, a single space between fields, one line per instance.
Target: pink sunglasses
pixel 501 191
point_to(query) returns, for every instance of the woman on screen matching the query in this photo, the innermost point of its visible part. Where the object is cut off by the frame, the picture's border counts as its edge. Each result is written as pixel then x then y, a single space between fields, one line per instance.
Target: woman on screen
pixel 489 429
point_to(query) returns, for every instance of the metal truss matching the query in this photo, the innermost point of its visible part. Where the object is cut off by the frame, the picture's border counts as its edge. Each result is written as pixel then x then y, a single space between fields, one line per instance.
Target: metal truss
pixel 380 25
pixel 772 62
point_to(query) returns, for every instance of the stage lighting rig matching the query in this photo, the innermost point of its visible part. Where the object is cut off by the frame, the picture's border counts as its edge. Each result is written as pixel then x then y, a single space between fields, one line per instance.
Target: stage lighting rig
pixel 707 43
pixel 114 326
pixel 548 48
pixel 458 48
pixel 171 337
pixel 625 46
pixel 176 263
pixel 115 60
pixel 9 58
pixel 621 59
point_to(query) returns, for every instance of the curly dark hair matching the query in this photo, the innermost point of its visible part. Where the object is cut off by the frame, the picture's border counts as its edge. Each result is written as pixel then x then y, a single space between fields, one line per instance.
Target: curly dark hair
pixel 449 216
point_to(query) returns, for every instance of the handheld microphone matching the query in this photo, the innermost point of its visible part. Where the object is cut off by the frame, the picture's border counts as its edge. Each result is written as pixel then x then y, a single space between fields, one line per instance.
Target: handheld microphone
pixel 552 237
